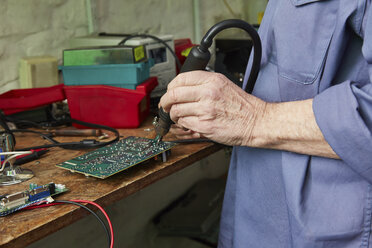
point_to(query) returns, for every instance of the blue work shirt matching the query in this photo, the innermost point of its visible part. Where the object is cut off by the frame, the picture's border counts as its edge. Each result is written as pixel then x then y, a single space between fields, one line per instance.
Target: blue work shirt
pixel 319 49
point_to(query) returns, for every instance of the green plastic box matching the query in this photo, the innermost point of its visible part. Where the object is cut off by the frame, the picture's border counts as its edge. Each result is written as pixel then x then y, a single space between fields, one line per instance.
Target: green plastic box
pixel 104 55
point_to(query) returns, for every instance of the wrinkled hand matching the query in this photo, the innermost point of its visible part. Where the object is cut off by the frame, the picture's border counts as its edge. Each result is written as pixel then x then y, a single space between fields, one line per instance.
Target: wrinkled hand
pixel 206 104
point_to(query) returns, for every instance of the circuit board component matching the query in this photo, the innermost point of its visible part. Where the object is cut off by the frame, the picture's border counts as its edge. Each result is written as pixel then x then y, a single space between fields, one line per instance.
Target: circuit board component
pixel 114 158
pixel 10 203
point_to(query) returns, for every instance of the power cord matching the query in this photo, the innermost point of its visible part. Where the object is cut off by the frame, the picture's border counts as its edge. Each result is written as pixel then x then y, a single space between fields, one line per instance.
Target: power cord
pixel 109 233
pixel 83 144
pixel 154 38
pixel 45 136
pixel 6 127
pixel 192 141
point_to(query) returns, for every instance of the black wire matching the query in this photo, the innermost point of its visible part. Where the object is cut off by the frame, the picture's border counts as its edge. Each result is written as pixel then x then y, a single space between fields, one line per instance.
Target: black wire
pixel 192 141
pixel 24 122
pixel 207 40
pixel 154 38
pixel 45 136
pixel 67 145
pixel 6 127
pixel 92 212
pixel 84 144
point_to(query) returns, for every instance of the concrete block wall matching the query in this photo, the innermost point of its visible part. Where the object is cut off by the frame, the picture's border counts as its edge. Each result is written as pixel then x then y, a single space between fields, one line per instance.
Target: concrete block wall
pixel 33 28
pixel 162 17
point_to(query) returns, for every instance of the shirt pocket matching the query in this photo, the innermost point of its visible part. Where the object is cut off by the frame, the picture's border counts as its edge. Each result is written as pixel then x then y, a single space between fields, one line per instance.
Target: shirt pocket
pixel 302 2
pixel 302 31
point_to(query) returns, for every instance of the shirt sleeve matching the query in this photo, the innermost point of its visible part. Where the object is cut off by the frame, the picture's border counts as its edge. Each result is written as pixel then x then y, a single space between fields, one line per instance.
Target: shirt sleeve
pixel 344 113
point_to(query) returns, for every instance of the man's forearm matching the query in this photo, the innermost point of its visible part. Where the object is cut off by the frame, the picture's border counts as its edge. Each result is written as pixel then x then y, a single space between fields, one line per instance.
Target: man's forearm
pixel 290 126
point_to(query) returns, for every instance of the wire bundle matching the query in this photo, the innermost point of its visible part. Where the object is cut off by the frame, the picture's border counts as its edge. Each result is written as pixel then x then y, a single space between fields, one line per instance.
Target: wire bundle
pixel 109 231
pixel 13 155
pixel 83 144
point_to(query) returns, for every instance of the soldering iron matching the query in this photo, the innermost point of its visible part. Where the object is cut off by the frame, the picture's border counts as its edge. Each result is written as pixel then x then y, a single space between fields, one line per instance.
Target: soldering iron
pixel 198 59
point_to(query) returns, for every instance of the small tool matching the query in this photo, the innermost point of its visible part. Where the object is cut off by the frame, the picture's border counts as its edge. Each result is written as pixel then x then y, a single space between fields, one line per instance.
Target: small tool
pixel 76 132
pixel 30 157
pixel 162 125
pixel 198 59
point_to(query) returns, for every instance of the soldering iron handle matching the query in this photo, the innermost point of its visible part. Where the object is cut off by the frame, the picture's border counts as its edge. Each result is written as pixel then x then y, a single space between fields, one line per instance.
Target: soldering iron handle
pixel 165 116
pixel 196 60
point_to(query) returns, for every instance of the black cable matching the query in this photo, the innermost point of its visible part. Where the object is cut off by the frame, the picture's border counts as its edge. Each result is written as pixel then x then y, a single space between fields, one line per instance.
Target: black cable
pixel 5 126
pixel 83 144
pixel 45 136
pixel 236 23
pixel 154 38
pixel 92 212
pixel 97 144
pixel 192 141
pixel 23 122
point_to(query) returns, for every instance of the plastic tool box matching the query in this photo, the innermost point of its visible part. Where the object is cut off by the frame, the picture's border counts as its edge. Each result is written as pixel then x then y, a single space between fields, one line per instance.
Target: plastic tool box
pixel 19 100
pixel 104 55
pixel 120 75
pixel 111 106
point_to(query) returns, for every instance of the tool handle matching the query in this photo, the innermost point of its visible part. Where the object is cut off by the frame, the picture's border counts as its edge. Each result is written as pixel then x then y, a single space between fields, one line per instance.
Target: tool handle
pixel 165 116
pixel 197 59
pixel 163 123
pixel 73 132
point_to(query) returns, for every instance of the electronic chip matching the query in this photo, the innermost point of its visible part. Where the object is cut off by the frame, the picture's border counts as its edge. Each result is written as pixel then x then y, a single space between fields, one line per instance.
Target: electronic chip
pixel 114 158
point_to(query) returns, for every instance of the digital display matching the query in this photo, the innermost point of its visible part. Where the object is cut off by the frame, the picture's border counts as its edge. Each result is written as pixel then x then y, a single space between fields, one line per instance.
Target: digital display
pixel 158 54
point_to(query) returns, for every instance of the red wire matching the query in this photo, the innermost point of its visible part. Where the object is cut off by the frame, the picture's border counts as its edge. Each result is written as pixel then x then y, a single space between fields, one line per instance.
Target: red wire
pixel 39 205
pixel 80 201
pixel 104 212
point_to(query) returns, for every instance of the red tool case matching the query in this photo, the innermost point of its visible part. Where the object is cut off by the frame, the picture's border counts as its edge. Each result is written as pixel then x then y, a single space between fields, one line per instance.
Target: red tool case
pixel 111 106
pixel 100 104
pixel 19 100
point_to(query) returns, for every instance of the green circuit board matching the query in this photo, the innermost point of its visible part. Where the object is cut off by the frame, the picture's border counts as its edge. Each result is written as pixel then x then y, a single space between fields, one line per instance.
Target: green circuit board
pixel 114 158
pixel 12 202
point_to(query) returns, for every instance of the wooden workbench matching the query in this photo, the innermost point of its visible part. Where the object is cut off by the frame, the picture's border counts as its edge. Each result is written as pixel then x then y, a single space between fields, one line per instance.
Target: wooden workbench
pixel 25 227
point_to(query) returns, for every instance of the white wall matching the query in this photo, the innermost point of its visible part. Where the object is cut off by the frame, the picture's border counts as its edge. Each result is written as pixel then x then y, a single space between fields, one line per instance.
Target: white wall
pixel 43 27
pixel 35 27
pixel 161 16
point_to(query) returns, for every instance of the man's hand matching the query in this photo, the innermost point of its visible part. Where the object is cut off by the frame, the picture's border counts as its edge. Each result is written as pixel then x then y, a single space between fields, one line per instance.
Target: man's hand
pixel 206 104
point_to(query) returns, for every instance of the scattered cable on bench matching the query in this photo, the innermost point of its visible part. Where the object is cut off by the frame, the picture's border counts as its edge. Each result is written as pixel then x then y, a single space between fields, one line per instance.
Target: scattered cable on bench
pixel 110 232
